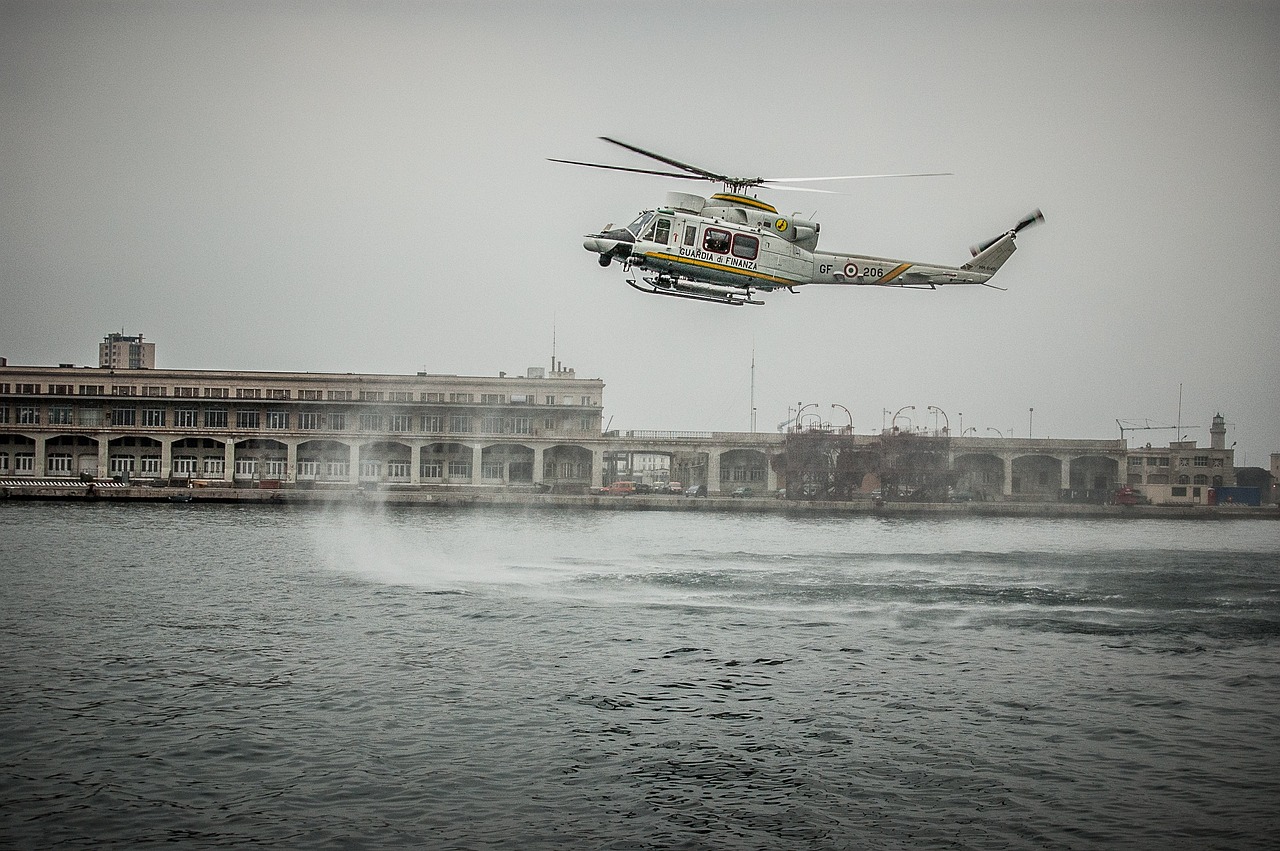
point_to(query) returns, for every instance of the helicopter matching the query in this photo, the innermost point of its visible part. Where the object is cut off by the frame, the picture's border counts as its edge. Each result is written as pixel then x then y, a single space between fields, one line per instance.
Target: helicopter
pixel 732 246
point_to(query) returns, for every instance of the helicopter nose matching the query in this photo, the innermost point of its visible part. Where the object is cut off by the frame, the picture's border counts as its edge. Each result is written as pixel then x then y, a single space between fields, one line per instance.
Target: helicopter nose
pixel 599 245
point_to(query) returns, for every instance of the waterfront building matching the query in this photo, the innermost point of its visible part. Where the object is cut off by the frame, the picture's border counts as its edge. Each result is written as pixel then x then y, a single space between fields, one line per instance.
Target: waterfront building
pixel 538 431
pixel 298 427
pixel 1183 472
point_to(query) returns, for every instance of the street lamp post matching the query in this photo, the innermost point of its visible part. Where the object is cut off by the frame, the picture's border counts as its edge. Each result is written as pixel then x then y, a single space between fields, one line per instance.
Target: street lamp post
pixel 1031 413
pixel 799 424
pixel 849 415
pixel 945 418
pixel 893 423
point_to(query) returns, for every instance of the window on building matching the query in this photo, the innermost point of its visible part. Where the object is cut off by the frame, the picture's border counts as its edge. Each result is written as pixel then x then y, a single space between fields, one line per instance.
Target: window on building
pixel 118 465
pixel 4 461
pixel 491 424
pixel 153 390
pixel 431 470
pixel 90 390
pixel 337 421
pixel 214 466
pixel 275 468
pixel 493 398
pixel 337 469
pixel 432 397
pixel 1202 461
pixel 400 396
pixel 153 417
pixel 58 464
pixel 308 468
pixel 371 422
pixel 186 392
pixel 185 465
pixel 215 419
pixel 59 415
pixel 149 465
pixel 248 393
pixel 216 392
pixel 246 468
pixel 310 395
pixel 459 469
pixel 28 416
pixel 247 419
pixel 398 469
pixel 277 394
pixel 59 389
pixel 89 417
pixel 432 423
pixel 124 416
pixel 491 470
pixel 465 398
pixel 521 425
pixel 370 395
pixel 400 422
pixel 460 423
pixel 24 462
pixel 277 420
pixel 185 418
pixel 310 421
pixel 339 395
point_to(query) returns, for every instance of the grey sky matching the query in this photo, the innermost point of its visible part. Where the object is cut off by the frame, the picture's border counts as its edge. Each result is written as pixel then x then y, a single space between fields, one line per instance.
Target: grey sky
pixel 363 187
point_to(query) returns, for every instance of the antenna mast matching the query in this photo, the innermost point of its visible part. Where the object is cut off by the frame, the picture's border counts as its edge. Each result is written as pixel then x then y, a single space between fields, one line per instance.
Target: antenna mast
pixel 753 387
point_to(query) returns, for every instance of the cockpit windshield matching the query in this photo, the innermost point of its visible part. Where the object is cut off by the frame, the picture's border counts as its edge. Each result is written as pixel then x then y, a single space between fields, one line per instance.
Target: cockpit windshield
pixel 638 225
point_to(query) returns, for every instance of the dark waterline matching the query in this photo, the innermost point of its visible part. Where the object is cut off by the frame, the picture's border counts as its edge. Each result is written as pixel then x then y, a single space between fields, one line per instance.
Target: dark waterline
pixel 222 676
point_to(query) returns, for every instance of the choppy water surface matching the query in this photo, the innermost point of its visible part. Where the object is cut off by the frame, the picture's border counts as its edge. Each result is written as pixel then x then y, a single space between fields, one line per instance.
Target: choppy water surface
pixel 222 676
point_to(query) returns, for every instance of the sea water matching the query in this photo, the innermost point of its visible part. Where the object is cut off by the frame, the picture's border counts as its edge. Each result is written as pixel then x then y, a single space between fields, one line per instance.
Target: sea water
pixel 223 676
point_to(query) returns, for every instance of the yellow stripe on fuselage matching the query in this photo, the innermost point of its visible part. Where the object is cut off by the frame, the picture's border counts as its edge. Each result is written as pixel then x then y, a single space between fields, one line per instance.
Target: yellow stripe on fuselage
pixel 895 273
pixel 734 270
pixel 745 201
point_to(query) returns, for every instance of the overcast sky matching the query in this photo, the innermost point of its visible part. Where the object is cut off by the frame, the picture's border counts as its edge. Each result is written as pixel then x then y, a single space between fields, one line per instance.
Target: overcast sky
pixel 363 187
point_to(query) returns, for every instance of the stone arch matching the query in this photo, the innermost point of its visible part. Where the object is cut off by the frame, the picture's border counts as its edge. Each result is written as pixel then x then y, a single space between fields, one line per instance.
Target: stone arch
pixel 135 457
pixel 324 460
pixel 980 474
pixel 446 463
pixel 71 455
pixel 567 467
pixel 261 458
pixel 385 460
pixel 1037 477
pixel 511 463
pixel 1093 477
pixel 744 468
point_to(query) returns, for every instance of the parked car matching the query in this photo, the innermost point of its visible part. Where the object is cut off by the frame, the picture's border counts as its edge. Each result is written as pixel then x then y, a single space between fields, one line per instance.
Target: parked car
pixel 696 490
pixel 618 489
pixel 675 488
pixel 742 493
pixel 643 487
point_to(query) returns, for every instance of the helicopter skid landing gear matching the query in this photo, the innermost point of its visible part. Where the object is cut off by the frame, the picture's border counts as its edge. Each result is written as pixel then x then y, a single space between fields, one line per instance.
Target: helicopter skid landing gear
pixel 680 288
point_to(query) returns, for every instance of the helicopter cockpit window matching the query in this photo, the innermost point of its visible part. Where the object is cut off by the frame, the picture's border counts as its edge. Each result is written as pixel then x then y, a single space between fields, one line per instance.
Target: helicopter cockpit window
pixel 746 247
pixel 716 241
pixel 641 220
pixel 662 232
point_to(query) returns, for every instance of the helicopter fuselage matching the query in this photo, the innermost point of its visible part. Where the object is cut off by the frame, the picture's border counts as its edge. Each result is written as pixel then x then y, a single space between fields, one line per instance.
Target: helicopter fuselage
pixel 729 246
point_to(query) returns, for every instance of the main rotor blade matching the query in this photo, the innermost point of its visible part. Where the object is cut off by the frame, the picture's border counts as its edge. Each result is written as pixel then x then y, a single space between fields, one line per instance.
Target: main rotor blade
pixel 853 177
pixel 693 169
pixel 624 168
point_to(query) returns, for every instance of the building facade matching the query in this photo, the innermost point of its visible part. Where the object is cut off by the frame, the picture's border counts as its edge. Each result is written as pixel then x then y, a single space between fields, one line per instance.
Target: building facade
pixel 250 427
